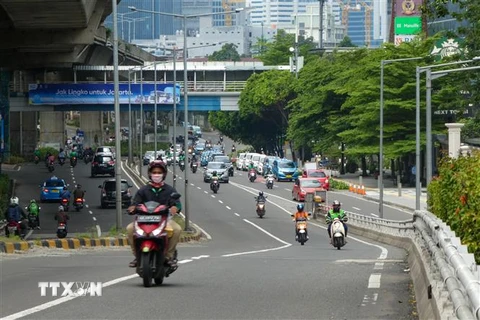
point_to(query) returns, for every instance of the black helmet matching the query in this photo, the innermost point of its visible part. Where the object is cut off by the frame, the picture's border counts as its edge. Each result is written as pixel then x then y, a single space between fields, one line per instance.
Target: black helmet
pixel 260 194
pixel 300 207
pixel 214 173
pixel 157 164
pixel 336 205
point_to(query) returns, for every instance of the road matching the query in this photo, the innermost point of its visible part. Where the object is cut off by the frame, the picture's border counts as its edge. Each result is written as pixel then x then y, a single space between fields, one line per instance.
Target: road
pixel 250 269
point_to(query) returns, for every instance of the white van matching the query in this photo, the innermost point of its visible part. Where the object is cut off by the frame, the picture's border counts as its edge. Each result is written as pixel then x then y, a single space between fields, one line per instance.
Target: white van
pixel 240 160
pixel 248 159
pixel 261 163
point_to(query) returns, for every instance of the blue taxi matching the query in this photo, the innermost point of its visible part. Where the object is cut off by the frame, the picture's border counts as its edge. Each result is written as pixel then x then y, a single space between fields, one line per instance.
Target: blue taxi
pixel 51 189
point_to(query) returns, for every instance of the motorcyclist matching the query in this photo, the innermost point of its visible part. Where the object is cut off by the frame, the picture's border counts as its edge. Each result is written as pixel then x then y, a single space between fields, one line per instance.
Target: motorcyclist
pixel 61 155
pixel 193 160
pixel 73 153
pixel 78 192
pixel 214 177
pixel 61 216
pixel 261 197
pixel 251 166
pixel 333 213
pixel 157 190
pixel 181 156
pixel 14 213
pixel 34 210
pixel 66 195
pixel 300 215
pixel 37 153
pixel 233 148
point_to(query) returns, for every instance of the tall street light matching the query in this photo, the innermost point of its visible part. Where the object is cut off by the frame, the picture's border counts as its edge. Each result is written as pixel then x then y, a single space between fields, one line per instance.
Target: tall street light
pixel 130 149
pixel 116 86
pixel 185 81
pixel 320 27
pixel 380 160
pixel 429 144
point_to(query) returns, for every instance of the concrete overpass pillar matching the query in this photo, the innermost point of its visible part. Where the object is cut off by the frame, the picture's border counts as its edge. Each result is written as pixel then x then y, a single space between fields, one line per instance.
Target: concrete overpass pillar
pixel 91 123
pixel 52 128
pixel 23 127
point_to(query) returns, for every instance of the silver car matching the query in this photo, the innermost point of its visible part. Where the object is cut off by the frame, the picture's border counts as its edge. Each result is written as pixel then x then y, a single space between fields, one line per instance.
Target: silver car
pixel 222 172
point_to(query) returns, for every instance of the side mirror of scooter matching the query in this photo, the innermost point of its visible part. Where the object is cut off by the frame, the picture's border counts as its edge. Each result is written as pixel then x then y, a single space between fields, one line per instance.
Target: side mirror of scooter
pixel 309 214
pixel 291 215
pixel 175 196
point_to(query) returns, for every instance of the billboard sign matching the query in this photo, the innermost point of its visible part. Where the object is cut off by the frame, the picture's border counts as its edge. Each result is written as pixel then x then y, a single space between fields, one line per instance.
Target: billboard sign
pixel 101 93
pixel 399 39
pixel 407 8
pixel 408 25
pixel 448 47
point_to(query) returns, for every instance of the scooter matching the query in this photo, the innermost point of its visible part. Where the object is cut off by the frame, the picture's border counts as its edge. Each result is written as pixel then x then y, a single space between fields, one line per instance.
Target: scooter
pixel 73 162
pixel 64 203
pixel 78 204
pixel 269 181
pixel 214 185
pixel 36 159
pixel 252 175
pixel 151 241
pixel 87 158
pixel 338 233
pixel 61 161
pixel 50 166
pixel 182 165
pixel 61 230
pixel 261 208
pixel 230 171
pixel 301 234
pixel 194 167
pixel 32 221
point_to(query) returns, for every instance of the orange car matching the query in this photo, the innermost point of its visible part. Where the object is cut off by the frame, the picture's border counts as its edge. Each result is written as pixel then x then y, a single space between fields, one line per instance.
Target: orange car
pixel 320 175
pixel 302 186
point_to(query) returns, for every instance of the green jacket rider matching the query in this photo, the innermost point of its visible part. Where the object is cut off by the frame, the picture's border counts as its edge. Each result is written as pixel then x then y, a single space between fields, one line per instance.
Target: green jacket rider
pixel 333 213
pixel 73 154
pixel 250 166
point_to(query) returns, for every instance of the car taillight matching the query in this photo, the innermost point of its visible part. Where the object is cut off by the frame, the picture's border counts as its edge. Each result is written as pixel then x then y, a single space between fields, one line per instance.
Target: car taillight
pixel 45 190
pixel 79 200
pixel 94 163
pixel 111 163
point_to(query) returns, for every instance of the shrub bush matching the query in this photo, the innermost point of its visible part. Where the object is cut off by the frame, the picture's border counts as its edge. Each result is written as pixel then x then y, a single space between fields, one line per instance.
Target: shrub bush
pixel 454 197
pixel 15 160
pixel 4 194
pixel 338 184
pixel 45 150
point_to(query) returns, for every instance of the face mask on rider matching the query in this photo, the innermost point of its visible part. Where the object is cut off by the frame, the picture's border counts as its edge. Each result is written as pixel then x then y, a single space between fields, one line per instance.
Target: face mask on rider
pixel 157 178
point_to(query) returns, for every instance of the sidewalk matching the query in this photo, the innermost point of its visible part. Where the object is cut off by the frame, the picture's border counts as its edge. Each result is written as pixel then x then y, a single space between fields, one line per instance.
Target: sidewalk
pixel 390 192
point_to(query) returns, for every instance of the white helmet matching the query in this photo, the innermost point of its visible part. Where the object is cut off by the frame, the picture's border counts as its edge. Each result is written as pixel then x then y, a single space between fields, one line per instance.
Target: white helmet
pixel 13 200
pixel 61 209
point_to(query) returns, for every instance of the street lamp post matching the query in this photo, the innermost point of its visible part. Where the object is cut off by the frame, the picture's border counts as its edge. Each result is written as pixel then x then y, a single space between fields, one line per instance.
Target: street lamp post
pixel 130 149
pixel 185 81
pixel 155 106
pixel 118 169
pixel 175 116
pixel 380 157
pixel 141 124
pixel 320 29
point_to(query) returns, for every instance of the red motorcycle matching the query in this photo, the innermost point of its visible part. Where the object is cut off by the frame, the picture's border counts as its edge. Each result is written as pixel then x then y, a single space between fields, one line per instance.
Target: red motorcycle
pixel 151 241
pixel 64 203
pixel 252 175
pixel 78 204
pixel 13 228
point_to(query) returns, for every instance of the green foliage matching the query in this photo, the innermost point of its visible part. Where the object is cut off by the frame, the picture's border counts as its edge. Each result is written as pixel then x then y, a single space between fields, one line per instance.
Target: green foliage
pixel 471 128
pixel 227 53
pixel 4 194
pixel 454 197
pixel 44 151
pixel 346 43
pixel 338 184
pixel 113 232
pixel 15 160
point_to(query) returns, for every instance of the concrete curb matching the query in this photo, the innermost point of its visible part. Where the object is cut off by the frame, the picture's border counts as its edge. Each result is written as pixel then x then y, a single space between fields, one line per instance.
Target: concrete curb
pixel 74 243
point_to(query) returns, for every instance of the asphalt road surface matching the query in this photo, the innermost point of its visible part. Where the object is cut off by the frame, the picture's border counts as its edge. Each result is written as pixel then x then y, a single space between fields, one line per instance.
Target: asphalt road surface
pixel 250 268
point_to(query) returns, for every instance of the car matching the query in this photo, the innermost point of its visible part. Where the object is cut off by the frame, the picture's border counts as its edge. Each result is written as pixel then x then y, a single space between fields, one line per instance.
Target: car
pixel 222 172
pixel 197 131
pixel 285 169
pixel 199 147
pixel 227 162
pixel 52 189
pixel 320 175
pixel 148 157
pixel 103 164
pixel 105 150
pixel 302 186
pixel 108 193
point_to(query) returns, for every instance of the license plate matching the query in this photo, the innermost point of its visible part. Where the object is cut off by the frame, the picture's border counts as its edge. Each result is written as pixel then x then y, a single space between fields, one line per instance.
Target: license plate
pixel 55 191
pixel 149 219
pixel 61 227
pixel 289 176
pixel 103 165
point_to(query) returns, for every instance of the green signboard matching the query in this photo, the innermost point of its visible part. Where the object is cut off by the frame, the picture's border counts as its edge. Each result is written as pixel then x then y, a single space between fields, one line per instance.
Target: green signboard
pixel 408 25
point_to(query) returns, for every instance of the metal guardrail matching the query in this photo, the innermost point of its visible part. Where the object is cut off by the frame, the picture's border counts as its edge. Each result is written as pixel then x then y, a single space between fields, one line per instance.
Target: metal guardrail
pixel 457 267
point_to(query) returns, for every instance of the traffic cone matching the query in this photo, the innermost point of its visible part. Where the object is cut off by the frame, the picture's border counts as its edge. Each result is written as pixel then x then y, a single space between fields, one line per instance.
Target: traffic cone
pixel 350 188
pixel 363 192
pixel 355 189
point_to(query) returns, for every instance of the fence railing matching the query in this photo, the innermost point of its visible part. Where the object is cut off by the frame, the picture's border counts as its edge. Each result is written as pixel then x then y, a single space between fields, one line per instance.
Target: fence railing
pixel 457 267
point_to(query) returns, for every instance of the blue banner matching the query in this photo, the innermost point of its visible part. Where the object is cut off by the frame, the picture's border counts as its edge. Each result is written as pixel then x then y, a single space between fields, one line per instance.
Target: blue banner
pixel 100 93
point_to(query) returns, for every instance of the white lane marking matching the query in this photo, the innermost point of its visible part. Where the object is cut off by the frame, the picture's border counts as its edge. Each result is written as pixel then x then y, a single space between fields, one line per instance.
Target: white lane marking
pixel 374 280
pixel 200 257
pixel 209 237
pixel 90 212
pixel 245 188
pixel 237 214
pixel 94 219
pixel 192 184
pixel 375 215
pixel 199 188
pixel 378 266
pixel 228 207
pixel 185 261
pixel 357 208
pixel 286 244
pixel 99 231
pixel 287 189
pixel 213 196
pixel 375 297
pixel 205 191
pixel 220 201
pixel 86 206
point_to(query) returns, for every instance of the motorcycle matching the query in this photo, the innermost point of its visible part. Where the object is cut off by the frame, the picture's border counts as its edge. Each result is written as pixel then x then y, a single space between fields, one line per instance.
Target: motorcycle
pixel 194 167
pixel 252 175
pixel 78 204
pixel 32 221
pixel 214 185
pixel 182 165
pixel 64 203
pixel 230 171
pixel 338 233
pixel 61 161
pixel 301 231
pixel 61 230
pixel 270 181
pixel 13 227
pixel 88 158
pixel 73 161
pixel 151 241
pixel 36 159
pixel 50 166
pixel 261 208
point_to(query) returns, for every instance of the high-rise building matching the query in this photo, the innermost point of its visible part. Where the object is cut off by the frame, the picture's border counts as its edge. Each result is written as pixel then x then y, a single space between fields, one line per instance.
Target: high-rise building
pixel 447 23
pixel 139 25
pixel 276 12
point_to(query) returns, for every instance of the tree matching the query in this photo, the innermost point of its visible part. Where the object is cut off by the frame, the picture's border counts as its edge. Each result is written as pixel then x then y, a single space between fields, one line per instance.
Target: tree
pixel 262 115
pixel 346 43
pixel 227 53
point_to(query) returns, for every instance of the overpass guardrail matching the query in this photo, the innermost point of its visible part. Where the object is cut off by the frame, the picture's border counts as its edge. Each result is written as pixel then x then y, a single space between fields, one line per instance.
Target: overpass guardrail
pixel 450 274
